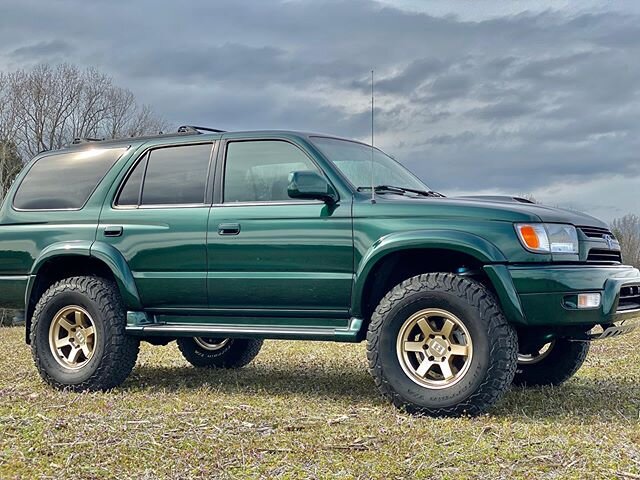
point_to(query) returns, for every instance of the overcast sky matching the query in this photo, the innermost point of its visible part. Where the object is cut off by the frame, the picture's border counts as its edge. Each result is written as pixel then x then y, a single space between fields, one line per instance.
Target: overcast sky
pixel 491 97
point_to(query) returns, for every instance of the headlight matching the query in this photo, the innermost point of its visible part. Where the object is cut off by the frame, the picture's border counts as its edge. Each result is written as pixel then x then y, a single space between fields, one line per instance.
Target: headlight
pixel 548 237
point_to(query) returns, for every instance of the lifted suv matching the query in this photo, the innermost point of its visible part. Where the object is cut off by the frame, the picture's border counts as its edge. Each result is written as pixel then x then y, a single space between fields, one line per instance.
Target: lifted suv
pixel 220 240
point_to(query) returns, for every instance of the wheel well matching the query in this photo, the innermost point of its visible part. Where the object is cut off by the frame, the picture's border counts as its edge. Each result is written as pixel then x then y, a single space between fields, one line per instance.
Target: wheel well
pixel 58 268
pixel 399 266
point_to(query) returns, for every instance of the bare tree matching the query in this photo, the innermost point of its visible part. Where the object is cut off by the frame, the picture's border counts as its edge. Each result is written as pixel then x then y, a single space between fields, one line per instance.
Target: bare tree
pixel 47 107
pixel 10 161
pixel 10 165
pixel 627 231
pixel 53 105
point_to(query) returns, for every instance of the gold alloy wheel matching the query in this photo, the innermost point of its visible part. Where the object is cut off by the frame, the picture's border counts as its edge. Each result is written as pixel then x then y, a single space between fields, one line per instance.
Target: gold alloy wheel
pixel 72 337
pixel 541 354
pixel 434 348
pixel 211 344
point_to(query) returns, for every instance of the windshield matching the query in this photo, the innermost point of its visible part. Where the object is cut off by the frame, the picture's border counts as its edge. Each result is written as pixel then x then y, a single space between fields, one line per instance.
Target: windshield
pixel 354 161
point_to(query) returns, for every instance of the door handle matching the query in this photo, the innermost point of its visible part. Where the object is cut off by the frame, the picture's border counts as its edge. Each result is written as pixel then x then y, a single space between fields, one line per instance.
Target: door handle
pixel 113 231
pixel 229 229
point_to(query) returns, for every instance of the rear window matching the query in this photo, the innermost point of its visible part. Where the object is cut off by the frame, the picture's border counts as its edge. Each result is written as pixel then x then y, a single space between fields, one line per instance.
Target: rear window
pixel 176 175
pixel 168 176
pixel 64 180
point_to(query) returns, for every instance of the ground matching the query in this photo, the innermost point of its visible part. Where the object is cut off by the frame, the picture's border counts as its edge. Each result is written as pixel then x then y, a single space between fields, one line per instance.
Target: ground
pixel 310 410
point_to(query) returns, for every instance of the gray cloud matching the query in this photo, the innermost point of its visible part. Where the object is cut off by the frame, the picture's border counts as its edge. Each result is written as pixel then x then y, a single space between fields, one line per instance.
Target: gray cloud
pixel 42 50
pixel 502 110
pixel 514 102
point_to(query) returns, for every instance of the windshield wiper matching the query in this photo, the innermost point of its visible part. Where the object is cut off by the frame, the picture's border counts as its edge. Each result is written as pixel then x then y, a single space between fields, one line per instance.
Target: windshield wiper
pixel 401 190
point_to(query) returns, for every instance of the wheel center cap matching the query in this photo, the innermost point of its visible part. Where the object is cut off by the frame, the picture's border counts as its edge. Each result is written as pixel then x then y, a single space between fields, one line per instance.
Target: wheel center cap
pixel 438 346
pixel 80 337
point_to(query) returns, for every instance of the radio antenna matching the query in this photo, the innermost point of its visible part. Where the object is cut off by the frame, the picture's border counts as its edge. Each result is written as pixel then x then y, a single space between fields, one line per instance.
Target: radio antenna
pixel 373 189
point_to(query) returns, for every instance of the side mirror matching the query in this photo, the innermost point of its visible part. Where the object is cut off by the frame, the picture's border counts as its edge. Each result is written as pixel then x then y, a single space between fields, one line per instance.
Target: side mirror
pixel 311 185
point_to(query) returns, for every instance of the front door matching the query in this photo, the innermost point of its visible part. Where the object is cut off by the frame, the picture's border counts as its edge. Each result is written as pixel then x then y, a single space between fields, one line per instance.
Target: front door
pixel 158 221
pixel 270 254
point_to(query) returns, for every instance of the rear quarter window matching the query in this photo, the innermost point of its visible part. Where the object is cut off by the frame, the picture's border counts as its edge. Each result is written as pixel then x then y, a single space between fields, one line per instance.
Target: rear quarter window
pixel 64 180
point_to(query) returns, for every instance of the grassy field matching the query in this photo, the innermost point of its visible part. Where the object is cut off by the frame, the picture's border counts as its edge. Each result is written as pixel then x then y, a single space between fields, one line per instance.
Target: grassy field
pixel 310 410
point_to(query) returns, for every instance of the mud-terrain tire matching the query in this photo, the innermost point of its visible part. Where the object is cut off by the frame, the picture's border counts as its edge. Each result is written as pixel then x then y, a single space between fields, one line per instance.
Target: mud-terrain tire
pixel 554 367
pixel 480 329
pixel 203 352
pixel 89 310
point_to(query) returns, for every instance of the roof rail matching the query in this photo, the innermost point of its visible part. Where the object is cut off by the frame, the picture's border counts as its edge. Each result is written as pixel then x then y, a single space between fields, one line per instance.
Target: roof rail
pixel 81 140
pixel 193 128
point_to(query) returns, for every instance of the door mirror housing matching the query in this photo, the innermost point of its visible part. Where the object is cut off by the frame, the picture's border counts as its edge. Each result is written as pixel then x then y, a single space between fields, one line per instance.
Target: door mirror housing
pixel 311 185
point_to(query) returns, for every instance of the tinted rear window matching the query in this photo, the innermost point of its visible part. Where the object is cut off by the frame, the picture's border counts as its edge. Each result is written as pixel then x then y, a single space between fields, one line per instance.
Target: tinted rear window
pixel 64 180
pixel 176 175
pixel 130 193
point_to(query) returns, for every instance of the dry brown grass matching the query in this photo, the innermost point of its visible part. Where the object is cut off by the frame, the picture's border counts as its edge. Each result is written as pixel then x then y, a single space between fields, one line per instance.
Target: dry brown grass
pixel 305 410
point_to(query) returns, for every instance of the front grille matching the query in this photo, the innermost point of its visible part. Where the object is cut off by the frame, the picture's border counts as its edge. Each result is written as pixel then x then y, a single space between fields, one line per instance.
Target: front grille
pixel 629 298
pixel 602 255
pixel 596 232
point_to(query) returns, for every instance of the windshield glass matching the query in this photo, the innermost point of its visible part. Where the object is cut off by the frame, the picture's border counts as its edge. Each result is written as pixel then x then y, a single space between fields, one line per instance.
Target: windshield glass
pixel 354 161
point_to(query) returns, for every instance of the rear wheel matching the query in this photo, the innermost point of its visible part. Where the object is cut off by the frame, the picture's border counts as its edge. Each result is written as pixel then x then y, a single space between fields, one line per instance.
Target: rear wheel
pixel 550 364
pixel 211 352
pixel 78 338
pixel 438 344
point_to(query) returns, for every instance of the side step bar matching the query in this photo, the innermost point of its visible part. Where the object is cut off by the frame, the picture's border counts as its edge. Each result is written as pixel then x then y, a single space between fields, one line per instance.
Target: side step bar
pixel 342 334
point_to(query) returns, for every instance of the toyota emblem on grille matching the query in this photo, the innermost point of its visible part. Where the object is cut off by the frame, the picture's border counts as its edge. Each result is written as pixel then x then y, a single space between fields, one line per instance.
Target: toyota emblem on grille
pixel 609 239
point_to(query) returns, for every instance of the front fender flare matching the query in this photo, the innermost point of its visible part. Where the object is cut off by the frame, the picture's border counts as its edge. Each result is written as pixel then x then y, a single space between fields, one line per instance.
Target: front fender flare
pixel 477 247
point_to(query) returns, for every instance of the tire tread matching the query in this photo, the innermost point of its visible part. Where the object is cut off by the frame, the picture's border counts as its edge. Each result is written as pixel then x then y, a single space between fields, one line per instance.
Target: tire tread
pixel 503 351
pixel 120 349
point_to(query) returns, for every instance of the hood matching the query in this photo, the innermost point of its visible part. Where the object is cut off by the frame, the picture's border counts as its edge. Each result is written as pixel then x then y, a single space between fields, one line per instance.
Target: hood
pixel 545 213
pixel 495 208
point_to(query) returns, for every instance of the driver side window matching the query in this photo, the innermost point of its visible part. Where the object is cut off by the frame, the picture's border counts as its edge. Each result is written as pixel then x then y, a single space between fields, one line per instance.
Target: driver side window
pixel 258 171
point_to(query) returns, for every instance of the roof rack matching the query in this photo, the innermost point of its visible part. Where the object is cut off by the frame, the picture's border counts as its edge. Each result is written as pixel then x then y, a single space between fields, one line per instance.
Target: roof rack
pixel 193 128
pixel 81 140
pixel 183 130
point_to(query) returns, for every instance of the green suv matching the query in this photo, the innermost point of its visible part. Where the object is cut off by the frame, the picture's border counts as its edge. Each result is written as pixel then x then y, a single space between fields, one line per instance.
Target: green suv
pixel 219 240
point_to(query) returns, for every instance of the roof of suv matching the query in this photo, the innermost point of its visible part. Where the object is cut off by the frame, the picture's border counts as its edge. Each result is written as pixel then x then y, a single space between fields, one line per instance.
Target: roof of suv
pixel 185 131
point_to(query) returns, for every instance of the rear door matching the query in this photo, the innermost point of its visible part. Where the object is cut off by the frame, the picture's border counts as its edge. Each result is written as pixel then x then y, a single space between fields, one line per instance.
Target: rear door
pixel 158 221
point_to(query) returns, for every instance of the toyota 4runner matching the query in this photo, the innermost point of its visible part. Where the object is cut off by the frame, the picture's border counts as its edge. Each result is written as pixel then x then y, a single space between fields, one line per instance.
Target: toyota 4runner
pixel 219 240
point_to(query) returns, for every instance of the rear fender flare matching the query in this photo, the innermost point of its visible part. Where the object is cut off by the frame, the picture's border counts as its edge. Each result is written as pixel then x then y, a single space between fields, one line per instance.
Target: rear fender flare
pixel 104 252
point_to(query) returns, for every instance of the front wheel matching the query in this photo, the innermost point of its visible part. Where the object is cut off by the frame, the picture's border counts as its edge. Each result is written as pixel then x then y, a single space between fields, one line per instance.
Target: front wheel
pixel 551 364
pixel 438 344
pixel 208 352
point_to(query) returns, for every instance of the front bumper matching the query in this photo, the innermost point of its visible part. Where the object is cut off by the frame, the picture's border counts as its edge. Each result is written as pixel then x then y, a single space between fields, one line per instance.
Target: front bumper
pixel 537 295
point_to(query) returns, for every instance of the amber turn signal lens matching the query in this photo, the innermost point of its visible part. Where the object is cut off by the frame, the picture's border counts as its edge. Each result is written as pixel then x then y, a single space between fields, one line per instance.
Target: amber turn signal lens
pixel 530 237
pixel 533 237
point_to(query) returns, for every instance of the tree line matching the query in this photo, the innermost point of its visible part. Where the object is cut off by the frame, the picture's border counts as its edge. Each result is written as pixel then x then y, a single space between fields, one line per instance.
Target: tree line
pixel 627 230
pixel 46 107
